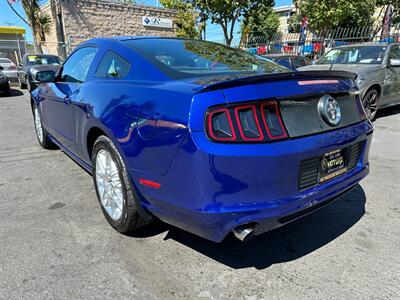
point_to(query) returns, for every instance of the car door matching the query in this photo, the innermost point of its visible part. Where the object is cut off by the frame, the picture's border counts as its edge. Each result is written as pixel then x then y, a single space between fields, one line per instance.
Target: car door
pixel 393 75
pixel 64 92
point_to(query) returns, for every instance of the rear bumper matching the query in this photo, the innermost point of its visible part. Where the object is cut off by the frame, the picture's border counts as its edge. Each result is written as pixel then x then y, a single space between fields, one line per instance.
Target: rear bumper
pixel 210 188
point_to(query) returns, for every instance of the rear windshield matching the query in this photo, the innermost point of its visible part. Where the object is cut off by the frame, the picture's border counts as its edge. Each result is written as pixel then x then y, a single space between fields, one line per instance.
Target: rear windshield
pixel 42 60
pixel 192 58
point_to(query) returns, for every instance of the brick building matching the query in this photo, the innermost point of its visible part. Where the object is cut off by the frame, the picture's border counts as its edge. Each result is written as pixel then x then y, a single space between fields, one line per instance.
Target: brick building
pixel 75 21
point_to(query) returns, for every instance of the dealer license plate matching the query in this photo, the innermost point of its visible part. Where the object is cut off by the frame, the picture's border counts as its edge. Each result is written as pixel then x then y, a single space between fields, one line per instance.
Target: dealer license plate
pixel 331 164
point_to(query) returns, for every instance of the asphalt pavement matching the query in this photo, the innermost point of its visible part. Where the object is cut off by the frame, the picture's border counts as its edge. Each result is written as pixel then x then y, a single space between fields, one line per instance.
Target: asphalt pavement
pixel 56 244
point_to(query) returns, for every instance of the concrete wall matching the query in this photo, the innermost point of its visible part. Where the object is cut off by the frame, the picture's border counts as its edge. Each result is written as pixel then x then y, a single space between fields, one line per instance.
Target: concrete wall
pixel 85 19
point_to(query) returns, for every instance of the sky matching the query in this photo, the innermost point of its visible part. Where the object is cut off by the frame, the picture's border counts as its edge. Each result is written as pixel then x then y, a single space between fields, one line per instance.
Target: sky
pixel 7 18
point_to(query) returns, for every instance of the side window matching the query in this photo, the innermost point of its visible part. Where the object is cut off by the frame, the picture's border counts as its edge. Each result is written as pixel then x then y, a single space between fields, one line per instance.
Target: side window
pixel 395 53
pixel 299 62
pixel 77 65
pixel 112 66
pixel 285 61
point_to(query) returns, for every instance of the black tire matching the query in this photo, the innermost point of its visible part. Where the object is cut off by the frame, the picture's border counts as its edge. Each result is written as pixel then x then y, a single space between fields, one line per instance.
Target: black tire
pixel 45 141
pixel 21 84
pixel 133 216
pixel 371 107
pixel 29 86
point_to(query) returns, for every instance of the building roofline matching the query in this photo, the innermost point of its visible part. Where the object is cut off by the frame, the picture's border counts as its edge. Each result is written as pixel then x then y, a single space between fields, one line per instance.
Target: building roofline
pixel 284 8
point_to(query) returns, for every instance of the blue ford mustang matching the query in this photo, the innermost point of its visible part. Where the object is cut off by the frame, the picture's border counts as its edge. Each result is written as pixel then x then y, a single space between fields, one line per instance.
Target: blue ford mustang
pixel 205 137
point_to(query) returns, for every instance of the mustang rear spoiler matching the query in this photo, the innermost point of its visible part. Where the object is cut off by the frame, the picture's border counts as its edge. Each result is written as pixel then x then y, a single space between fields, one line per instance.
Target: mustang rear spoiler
pixel 234 80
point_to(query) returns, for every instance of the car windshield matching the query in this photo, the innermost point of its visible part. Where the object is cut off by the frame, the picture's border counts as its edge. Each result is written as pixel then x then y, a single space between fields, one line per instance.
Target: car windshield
pixel 180 59
pixel 5 61
pixel 354 55
pixel 42 60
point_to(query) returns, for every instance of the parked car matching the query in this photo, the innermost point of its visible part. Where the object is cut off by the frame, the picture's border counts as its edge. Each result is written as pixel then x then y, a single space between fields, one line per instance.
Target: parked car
pixel 244 145
pixel 290 61
pixel 378 71
pixel 9 68
pixel 31 64
pixel 4 85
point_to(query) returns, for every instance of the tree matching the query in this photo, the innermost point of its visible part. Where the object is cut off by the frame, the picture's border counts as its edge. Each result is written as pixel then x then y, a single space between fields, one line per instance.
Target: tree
pixel 45 22
pixel 185 23
pixel 328 14
pixel 227 13
pixel 260 23
pixel 37 21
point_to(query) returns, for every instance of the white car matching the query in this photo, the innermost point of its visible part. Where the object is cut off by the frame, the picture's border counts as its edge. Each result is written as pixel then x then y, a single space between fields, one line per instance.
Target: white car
pixel 9 68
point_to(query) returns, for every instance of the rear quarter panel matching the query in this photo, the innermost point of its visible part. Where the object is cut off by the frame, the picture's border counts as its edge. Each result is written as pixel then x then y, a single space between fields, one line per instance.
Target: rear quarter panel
pixel 146 121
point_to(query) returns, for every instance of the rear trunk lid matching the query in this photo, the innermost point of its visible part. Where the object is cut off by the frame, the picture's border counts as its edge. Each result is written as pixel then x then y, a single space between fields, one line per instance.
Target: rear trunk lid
pixel 298 95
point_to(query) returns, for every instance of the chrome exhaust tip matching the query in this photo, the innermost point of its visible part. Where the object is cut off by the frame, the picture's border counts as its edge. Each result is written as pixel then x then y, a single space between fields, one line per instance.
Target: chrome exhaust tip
pixel 244 233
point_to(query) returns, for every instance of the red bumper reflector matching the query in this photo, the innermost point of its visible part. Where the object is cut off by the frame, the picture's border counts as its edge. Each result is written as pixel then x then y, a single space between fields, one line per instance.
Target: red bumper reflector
pixel 149 183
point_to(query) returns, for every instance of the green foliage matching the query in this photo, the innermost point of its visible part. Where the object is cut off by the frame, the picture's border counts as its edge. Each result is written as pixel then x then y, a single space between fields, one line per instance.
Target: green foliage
pixel 45 22
pixel 263 22
pixel 39 22
pixel 294 23
pixel 227 13
pixel 185 24
pixel 328 14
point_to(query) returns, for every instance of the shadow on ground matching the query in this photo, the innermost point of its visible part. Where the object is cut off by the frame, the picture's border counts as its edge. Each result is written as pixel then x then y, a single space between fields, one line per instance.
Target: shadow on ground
pixel 287 243
pixel 12 93
pixel 388 111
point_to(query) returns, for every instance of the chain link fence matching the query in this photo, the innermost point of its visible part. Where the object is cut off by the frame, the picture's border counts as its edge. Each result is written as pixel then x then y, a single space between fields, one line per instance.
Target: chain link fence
pixel 315 44
pixel 16 49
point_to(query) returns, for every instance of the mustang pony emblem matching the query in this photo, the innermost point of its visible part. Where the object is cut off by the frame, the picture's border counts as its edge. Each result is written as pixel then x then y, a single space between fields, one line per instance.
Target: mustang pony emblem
pixel 329 109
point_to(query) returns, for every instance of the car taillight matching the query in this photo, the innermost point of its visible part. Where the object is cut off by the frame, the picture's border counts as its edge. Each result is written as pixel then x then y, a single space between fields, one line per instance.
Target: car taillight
pixel 220 125
pixel 273 121
pixel 254 122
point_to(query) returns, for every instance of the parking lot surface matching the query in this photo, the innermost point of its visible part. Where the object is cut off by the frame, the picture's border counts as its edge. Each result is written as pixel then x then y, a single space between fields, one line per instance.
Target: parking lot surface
pixel 56 244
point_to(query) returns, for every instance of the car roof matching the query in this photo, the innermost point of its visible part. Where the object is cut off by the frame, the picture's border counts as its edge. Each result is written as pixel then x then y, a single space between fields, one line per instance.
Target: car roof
pixel 365 45
pixel 127 38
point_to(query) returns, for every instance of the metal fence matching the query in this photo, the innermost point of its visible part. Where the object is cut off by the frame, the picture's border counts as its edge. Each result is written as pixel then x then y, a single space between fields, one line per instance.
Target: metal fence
pixel 315 44
pixel 16 49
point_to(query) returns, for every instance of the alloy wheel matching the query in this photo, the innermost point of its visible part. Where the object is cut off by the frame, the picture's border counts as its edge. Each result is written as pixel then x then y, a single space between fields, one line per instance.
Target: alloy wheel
pixel 38 126
pixel 109 184
pixel 370 103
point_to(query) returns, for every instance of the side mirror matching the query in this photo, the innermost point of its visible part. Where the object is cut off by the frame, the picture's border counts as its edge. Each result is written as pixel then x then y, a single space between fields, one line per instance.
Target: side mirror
pixel 45 76
pixel 394 62
pixel 1 68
